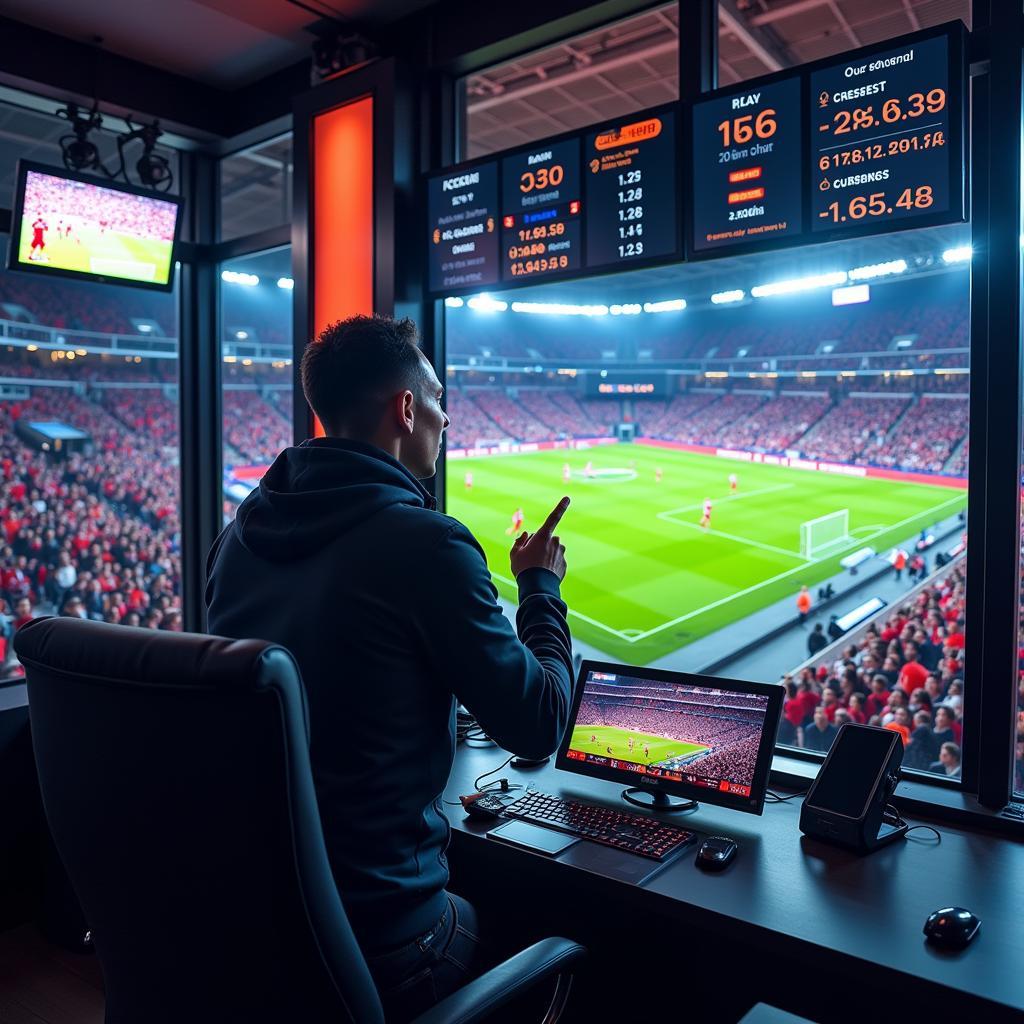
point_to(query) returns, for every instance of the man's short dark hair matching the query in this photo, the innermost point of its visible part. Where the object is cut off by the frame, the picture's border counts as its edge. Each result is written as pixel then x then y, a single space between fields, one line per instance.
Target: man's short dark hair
pixel 353 366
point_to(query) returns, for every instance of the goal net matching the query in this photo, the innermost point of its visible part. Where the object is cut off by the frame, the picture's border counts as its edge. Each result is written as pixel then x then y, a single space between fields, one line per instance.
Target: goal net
pixel 826 532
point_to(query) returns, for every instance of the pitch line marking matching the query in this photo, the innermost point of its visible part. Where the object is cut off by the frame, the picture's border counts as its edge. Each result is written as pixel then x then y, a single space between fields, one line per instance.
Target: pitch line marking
pixel 670 513
pixel 782 575
pixel 743 540
pixel 579 615
pixel 632 636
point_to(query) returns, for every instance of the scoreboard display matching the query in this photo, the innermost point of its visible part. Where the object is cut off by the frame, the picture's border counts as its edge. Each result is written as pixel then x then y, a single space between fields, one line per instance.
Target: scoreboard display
pixel 885 138
pixel 463 211
pixel 747 150
pixel 631 190
pixel 868 142
pixel 540 207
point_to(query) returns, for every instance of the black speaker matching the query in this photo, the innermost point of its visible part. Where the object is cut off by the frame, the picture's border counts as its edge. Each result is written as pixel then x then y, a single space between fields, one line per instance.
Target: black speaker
pixel 847 803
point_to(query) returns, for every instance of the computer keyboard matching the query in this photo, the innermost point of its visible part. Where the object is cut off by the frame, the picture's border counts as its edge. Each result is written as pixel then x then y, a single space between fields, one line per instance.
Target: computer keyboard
pixel 631 832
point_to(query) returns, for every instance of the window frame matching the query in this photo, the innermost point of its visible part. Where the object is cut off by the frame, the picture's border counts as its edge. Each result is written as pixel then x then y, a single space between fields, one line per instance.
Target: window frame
pixel 995 54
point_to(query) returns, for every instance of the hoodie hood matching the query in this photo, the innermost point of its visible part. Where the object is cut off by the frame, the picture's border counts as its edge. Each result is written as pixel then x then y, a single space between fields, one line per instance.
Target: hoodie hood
pixel 319 490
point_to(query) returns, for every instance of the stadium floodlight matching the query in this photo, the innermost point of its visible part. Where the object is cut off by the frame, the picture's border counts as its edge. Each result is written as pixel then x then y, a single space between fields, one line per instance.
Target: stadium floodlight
pixel 626 309
pixel 485 304
pixel 81 352
pixel 241 335
pixel 873 270
pixel 145 328
pixel 958 254
pixel 733 295
pixel 35 348
pixel 237 277
pixel 286 282
pixel 799 284
pixel 667 306
pixel 454 302
pixel 558 309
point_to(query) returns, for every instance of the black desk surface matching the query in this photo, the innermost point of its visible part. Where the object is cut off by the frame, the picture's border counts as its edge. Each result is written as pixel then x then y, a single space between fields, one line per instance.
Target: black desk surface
pixel 810 898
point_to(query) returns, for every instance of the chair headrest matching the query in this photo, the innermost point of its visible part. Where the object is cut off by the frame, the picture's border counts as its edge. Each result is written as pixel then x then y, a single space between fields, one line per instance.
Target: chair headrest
pixel 106 653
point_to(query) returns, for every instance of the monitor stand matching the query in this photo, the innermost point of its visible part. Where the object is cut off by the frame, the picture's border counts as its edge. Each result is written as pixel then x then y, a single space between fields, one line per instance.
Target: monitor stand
pixel 654 800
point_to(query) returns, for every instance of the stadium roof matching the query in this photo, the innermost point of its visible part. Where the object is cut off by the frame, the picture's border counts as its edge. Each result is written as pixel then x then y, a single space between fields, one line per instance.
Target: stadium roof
pixel 633 63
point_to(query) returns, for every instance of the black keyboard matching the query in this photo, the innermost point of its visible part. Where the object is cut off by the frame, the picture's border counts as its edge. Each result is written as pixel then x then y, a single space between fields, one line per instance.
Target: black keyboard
pixel 631 832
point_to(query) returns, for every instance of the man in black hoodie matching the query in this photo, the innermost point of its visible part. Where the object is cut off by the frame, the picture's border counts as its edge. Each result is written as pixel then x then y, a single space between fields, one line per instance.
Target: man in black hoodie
pixel 389 608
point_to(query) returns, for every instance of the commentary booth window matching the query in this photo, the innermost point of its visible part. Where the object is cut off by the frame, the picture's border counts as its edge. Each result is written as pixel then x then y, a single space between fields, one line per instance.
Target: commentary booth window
pixel 766 445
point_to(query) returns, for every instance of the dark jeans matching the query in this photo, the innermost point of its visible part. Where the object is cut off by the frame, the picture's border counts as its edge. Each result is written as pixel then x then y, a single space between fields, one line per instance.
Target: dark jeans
pixel 413 977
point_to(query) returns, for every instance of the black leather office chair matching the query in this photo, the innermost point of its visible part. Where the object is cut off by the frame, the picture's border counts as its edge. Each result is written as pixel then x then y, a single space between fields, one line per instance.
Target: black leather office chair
pixel 175 775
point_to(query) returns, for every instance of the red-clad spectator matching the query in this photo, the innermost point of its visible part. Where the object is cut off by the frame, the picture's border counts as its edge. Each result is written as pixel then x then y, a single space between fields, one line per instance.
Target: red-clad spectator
pixel 913 674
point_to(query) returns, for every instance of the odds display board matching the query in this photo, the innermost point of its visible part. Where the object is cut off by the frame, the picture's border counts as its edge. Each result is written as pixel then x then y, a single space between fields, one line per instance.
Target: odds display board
pixel 463 211
pixel 540 211
pixel 886 130
pixel 631 208
pixel 747 146
pixel 869 142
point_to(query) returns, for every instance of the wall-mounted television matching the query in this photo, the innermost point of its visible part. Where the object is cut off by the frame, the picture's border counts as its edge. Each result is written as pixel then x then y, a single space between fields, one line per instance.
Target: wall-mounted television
pixel 72 225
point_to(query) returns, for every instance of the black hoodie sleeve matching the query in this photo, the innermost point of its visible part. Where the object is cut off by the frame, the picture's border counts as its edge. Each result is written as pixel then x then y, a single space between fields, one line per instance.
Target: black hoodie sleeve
pixel 519 690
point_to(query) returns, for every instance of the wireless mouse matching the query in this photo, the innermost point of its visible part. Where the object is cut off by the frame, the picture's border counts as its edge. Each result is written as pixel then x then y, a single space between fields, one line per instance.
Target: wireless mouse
pixel 951 927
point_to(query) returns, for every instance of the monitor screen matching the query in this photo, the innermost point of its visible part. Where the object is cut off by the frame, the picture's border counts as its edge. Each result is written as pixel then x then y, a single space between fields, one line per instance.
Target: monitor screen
pixel 70 225
pixel 706 737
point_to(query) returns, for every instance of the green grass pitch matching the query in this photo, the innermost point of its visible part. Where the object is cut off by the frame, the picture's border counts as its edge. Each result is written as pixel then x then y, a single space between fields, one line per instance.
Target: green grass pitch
pixel 109 254
pixel 610 736
pixel 644 579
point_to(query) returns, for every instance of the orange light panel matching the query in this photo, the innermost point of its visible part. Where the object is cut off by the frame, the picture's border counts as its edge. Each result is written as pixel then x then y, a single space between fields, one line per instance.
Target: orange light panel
pixel 342 192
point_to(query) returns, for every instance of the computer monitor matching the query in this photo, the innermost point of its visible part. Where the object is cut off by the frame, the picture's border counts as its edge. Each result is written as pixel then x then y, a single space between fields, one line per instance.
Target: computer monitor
pixel 664 733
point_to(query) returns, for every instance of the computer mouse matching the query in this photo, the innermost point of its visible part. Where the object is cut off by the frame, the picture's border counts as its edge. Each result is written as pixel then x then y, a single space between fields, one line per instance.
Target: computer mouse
pixel 716 852
pixel 951 927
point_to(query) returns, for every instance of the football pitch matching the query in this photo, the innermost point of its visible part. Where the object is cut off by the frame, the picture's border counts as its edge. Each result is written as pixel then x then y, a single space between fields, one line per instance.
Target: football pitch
pixel 110 254
pixel 643 578
pixel 618 740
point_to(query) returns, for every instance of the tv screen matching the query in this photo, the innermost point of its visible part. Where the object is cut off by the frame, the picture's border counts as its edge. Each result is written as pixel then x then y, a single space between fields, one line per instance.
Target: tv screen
pixel 70 225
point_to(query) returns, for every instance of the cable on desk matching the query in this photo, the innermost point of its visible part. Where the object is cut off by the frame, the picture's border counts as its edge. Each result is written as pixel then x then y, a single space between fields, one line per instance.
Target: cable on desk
pixel 771 797
pixel 899 822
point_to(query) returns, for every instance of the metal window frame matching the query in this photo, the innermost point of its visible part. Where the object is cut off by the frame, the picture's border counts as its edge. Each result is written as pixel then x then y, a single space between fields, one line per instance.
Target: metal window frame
pixel 995 431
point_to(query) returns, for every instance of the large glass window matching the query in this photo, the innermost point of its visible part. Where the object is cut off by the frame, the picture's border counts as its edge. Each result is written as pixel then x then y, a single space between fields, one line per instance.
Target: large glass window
pixel 765 487
pixel 758 38
pixel 256 347
pixel 256 188
pixel 625 66
pixel 91 524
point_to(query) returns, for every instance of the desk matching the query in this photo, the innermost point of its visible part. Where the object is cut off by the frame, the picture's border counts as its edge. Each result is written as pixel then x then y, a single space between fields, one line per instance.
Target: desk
pixel 793 902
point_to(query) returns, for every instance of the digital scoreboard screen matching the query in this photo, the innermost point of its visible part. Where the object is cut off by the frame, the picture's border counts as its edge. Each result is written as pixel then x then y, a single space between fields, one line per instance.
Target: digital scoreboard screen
pixel 541 212
pixel 746 156
pixel 631 192
pixel 463 210
pixel 883 128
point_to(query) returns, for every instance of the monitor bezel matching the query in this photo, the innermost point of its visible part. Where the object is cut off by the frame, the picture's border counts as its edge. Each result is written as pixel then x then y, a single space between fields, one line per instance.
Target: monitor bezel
pixel 753 804
pixel 44 270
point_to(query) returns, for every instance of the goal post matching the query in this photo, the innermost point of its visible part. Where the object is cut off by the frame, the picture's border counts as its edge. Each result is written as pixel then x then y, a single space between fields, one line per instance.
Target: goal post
pixel 825 532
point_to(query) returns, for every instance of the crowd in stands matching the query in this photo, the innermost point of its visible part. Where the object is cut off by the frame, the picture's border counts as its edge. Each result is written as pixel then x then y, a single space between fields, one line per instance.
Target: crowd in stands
pixel 906 673
pixel 851 427
pixel 732 735
pixel 93 535
pixel 119 212
pixel 901 430
pixel 253 427
pixel 926 436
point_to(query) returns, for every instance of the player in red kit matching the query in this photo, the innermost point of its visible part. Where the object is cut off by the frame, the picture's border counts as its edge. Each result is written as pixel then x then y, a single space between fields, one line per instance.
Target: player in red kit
pixel 705 520
pixel 517 522
pixel 733 482
pixel 39 225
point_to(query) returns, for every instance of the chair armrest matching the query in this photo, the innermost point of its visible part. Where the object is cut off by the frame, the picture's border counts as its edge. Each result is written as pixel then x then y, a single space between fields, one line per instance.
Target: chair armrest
pixel 501 984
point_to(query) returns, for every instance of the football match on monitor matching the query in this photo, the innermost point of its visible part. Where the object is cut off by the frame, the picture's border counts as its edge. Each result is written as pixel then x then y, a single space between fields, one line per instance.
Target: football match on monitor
pixel 80 227
pixel 697 733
